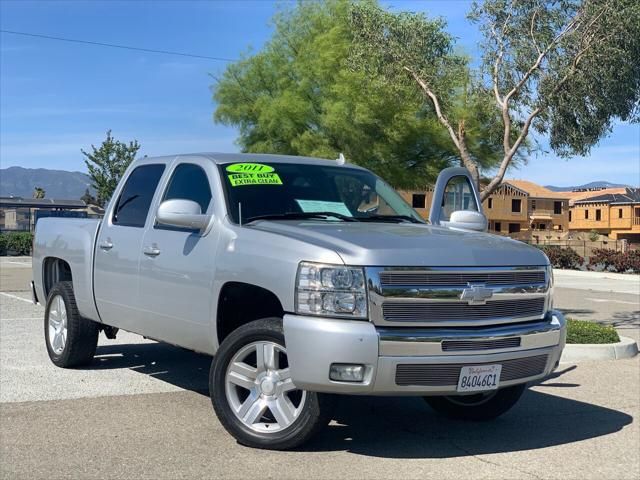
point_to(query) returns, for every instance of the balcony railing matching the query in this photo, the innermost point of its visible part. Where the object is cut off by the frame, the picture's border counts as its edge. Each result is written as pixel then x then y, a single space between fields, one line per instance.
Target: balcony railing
pixel 543 212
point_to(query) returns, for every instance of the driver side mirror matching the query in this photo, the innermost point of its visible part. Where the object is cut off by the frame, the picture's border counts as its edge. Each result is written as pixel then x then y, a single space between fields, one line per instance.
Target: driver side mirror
pixel 456 201
pixel 182 213
pixel 467 220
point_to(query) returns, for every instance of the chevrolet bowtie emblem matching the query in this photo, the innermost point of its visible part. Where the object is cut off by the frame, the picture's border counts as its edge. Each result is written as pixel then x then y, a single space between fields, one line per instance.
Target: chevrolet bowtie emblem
pixel 476 294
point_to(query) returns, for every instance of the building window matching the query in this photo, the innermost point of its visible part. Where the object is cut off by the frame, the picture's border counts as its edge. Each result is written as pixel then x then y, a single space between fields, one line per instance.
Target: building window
pixel 514 227
pixel 598 215
pixel 490 203
pixel 569 215
pixel 533 204
pixel 542 226
pixel 619 213
pixel 418 200
pixel 586 214
pixel 497 226
pixel 557 208
pixel 516 206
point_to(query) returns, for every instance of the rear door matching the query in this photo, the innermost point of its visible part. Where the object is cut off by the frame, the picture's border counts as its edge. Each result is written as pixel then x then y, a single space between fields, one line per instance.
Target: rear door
pixel 118 248
pixel 177 264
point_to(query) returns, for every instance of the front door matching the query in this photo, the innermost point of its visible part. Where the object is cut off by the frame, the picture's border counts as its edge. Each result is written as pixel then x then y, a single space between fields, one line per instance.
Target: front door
pixel 455 191
pixel 177 265
pixel 118 249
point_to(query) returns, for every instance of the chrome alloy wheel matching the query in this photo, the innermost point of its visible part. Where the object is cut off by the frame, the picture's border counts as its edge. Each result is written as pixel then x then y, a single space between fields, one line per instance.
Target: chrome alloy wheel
pixel 259 388
pixel 57 320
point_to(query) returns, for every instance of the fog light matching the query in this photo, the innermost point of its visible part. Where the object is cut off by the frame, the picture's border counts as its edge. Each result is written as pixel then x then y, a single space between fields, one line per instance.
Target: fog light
pixel 345 372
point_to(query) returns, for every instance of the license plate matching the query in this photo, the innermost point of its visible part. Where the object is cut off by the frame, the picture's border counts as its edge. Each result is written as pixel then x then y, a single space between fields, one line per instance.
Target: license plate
pixel 479 378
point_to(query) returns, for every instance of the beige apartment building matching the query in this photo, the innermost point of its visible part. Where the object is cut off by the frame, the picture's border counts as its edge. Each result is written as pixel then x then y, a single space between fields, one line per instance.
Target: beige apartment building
pixel 611 212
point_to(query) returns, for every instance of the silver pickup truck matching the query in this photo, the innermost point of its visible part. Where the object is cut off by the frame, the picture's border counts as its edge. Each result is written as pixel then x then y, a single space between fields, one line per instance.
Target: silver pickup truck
pixel 305 278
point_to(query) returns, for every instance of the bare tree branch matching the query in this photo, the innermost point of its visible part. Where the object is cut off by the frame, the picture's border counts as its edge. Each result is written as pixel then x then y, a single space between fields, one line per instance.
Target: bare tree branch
pixel 436 105
pixel 458 138
pixel 531 33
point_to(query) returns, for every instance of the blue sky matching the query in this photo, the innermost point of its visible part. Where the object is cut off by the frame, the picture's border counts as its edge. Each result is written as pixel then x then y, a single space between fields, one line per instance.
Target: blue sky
pixel 58 97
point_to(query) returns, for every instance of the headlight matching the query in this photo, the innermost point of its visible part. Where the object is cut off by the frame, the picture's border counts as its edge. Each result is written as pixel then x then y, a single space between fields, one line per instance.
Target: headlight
pixel 331 291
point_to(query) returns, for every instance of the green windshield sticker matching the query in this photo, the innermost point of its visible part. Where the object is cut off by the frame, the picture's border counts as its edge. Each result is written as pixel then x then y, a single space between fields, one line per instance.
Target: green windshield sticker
pixel 249 168
pixel 269 178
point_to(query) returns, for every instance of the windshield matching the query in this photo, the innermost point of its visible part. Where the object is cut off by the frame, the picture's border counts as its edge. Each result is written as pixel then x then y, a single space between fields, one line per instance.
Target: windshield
pixel 324 193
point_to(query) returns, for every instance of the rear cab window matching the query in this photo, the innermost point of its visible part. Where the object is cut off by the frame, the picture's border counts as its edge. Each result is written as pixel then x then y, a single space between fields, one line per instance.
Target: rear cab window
pixel 133 204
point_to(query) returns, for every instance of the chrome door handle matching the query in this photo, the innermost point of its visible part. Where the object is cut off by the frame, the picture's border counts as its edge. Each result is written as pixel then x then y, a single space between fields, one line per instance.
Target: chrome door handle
pixel 106 245
pixel 151 251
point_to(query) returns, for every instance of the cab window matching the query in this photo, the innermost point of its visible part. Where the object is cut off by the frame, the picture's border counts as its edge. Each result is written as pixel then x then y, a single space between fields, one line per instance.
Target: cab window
pixel 189 182
pixel 458 195
pixel 133 204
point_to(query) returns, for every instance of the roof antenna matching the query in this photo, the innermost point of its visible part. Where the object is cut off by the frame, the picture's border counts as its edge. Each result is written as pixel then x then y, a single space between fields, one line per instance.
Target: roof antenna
pixel 340 160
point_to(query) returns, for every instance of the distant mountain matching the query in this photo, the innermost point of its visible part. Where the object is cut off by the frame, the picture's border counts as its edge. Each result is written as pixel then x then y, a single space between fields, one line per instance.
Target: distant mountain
pixel 59 184
pixel 586 186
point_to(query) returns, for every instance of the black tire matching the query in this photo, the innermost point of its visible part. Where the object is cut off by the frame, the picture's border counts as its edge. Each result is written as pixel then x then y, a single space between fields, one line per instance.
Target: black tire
pixel 475 407
pixel 82 334
pixel 314 415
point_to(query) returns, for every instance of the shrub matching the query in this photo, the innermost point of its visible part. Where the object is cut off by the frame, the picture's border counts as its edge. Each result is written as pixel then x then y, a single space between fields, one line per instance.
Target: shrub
pixel 16 242
pixel 582 331
pixel 562 257
pixel 611 260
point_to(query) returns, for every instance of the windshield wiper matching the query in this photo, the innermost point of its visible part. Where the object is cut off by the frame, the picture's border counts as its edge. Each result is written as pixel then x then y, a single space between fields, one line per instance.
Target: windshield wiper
pixel 389 218
pixel 301 216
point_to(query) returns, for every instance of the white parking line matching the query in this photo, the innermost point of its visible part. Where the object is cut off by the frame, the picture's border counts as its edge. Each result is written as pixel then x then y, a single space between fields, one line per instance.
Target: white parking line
pixel 15 297
pixel 20 319
pixel 22 264
pixel 606 300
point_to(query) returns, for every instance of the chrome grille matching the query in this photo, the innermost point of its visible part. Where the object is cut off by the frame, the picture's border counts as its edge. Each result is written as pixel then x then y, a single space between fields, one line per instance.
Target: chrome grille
pixel 463 345
pixel 420 279
pixel 448 374
pixel 451 311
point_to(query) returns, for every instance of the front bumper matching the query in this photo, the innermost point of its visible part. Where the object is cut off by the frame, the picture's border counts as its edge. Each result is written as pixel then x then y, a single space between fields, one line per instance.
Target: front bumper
pixel 424 361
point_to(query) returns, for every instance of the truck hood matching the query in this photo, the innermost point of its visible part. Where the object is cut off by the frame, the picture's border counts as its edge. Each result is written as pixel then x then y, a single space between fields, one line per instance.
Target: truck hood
pixel 405 244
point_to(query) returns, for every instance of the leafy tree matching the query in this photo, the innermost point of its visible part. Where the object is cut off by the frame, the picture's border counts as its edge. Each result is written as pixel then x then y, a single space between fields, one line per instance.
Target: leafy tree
pixel 39 192
pixel 566 68
pixel 299 96
pixel 88 198
pixel 107 164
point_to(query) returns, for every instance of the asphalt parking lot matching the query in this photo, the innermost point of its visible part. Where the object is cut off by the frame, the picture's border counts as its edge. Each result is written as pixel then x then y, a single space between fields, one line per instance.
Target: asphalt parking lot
pixel 141 410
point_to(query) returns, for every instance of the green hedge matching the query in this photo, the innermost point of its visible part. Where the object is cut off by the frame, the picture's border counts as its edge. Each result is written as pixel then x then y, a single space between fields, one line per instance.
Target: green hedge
pixel 562 257
pixel 583 331
pixel 17 243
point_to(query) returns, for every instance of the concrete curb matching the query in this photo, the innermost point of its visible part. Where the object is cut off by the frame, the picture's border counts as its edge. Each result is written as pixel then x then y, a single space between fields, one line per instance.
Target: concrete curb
pixel 633 277
pixel 574 353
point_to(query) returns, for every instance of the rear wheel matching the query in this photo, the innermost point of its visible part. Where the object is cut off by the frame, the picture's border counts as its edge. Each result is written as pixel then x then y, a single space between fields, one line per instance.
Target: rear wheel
pixel 253 394
pixel 71 340
pixel 480 406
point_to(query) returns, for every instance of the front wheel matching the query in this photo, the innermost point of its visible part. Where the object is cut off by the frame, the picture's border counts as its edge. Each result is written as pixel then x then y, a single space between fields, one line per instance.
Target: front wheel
pixel 480 406
pixel 253 394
